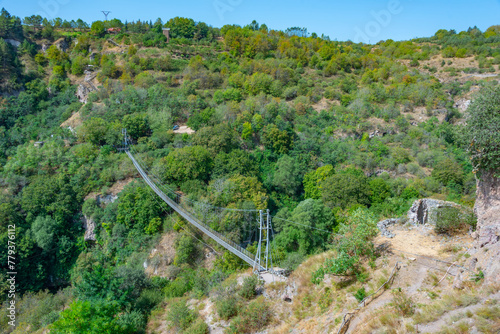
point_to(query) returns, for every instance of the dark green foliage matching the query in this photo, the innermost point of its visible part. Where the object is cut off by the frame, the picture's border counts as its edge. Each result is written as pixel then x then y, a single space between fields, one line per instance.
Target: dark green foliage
pixel 346 188
pixel 360 294
pixel 301 238
pixel 219 138
pixel 137 207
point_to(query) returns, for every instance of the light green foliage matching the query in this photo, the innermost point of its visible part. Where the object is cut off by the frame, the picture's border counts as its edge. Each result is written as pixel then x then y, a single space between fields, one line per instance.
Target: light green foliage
pixel 97 28
pixel 85 317
pixel 248 289
pixel 181 27
pixel 185 250
pixel 192 162
pixel 482 133
pixel 447 171
pixel 154 226
pixel 179 315
pixel 247 130
pixel 313 180
pixel 353 241
pixel 198 327
pixel 44 229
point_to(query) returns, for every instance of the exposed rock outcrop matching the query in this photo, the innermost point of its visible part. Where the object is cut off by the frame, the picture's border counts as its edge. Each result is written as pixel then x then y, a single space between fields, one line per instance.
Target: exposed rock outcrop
pixel 424 211
pixel 13 42
pixel 486 252
pixel 90 229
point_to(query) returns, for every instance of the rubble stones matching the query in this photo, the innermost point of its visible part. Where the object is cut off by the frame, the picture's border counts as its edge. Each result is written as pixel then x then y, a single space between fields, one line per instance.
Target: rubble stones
pixel 384 224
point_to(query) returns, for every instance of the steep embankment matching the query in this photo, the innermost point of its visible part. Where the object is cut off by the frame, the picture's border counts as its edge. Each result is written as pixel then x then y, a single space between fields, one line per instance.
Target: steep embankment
pixel 486 252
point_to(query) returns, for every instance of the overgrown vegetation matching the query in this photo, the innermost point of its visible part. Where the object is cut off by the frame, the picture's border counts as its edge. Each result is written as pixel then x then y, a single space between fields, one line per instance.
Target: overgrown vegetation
pixel 322 133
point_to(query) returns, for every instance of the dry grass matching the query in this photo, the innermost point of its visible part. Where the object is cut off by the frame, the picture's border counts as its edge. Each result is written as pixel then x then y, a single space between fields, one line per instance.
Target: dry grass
pixel 452 301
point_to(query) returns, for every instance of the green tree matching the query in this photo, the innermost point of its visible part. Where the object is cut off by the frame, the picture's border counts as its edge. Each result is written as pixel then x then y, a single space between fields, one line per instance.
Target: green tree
pixel 218 138
pixel 247 130
pixel 44 230
pixel 97 29
pixel 181 27
pixel 236 162
pixel 187 163
pixel 482 133
pixel 287 175
pixel 312 181
pixel 447 171
pixel 310 234
pixel 347 188
pixel 85 317
pixel 379 189
pixel 353 242
pixel 185 250
pixel 277 140
pixel 179 315
pixel 137 125
pixel 94 131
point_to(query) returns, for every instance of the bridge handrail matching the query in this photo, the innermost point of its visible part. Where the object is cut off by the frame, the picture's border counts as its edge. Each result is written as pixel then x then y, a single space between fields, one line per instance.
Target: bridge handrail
pixel 216 236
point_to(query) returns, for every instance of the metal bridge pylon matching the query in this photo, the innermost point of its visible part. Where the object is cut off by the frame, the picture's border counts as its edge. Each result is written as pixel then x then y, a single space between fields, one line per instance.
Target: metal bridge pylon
pixel 263 258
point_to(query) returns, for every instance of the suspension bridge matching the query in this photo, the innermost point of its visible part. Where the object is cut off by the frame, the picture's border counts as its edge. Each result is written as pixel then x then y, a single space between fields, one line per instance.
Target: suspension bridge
pixel 261 261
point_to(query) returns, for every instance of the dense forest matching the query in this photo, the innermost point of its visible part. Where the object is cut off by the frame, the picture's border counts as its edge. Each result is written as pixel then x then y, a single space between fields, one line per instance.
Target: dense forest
pixel 331 135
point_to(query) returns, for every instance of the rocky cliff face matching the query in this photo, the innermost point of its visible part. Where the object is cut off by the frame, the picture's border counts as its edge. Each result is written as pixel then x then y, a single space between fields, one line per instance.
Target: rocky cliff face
pixel 486 252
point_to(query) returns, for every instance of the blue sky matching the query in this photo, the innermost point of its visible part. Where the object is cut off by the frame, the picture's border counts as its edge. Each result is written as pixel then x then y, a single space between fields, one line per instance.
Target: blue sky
pixel 358 20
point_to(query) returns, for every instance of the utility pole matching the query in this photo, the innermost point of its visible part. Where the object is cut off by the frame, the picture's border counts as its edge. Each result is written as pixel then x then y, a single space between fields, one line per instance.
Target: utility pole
pixel 105 12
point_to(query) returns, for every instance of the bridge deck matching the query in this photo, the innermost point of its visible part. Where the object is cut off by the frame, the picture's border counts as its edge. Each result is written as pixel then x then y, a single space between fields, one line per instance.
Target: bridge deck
pixel 220 239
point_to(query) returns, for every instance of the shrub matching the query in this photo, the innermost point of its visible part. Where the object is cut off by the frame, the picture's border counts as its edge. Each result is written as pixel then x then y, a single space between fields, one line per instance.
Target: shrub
pixel 255 317
pixel 449 220
pixel 180 315
pixel 198 327
pixel 403 303
pixel 360 294
pixel 249 287
pixel 227 307
pixel 353 241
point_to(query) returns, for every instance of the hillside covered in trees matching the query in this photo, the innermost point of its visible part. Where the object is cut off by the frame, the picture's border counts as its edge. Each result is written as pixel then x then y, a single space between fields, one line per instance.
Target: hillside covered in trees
pixel 325 134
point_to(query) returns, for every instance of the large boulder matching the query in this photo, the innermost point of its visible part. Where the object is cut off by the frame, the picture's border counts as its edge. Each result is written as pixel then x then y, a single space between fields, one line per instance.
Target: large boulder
pixel 424 211
pixel 486 251
pixel 90 229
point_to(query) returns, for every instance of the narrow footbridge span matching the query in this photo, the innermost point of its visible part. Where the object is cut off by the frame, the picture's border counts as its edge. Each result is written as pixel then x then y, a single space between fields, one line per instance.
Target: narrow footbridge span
pixel 251 259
